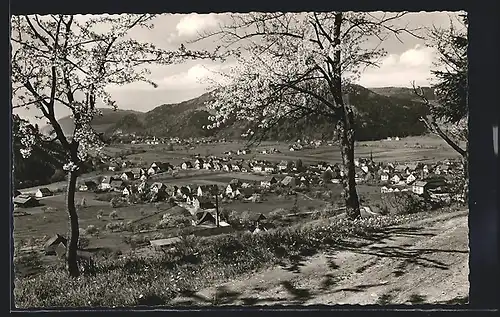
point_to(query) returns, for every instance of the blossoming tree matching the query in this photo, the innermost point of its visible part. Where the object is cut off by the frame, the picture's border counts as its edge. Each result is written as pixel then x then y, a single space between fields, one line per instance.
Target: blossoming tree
pixel 67 61
pixel 449 114
pixel 292 65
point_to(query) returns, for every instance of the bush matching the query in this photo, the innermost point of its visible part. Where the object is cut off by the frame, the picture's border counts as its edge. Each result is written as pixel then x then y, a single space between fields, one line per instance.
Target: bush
pixel 113 214
pixel 277 213
pixel 83 242
pixel 136 241
pixel 230 216
pixel 169 221
pixel 107 196
pixel 400 203
pixel 118 202
pixel 31 259
pixel 92 230
pixel 116 226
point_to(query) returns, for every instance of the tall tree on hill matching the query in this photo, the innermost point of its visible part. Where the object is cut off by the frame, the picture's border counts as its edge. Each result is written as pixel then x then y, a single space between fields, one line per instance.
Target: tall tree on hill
pixel 68 61
pixel 449 114
pixel 293 65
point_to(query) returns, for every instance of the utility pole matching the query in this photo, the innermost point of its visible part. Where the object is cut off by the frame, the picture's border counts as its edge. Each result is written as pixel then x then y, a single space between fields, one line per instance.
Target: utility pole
pixel 217 205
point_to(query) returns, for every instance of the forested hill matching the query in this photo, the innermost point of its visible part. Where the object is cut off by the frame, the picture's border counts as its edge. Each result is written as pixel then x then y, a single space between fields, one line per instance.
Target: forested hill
pixel 380 113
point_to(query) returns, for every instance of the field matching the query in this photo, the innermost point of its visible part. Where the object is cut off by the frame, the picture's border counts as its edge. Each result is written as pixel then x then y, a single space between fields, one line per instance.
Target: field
pixel 423 149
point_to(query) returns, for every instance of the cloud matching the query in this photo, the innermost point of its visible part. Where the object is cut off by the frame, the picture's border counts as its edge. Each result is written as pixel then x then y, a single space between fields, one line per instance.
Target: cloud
pixel 174 86
pixel 401 69
pixel 196 76
pixel 194 23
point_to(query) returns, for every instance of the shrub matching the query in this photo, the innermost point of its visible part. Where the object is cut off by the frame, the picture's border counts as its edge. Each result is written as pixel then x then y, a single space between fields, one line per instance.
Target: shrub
pixel 83 242
pixel 116 226
pixel 277 213
pixel 169 221
pixel 92 230
pixel 106 196
pixel 136 240
pixel 118 202
pixel 402 203
pixel 31 259
pixel 113 214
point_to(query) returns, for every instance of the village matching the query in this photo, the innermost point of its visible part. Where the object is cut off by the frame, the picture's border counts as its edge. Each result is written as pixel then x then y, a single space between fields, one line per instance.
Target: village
pixel 200 190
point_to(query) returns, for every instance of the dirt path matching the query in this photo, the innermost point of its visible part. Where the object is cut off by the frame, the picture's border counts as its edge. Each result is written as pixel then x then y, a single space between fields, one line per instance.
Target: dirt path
pixel 425 262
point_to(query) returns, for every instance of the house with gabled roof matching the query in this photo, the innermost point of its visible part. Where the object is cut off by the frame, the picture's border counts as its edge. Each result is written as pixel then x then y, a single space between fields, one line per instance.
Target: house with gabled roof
pixel 43 192
pixel 395 179
pixel 203 203
pixel 127 176
pixel 236 167
pixel 257 168
pixel 127 191
pixel 207 190
pixel 186 165
pixel 205 218
pixel 232 190
pixel 158 187
pixel 56 245
pixel 268 182
pixel 425 169
pixel 117 185
pixel 419 187
pixel 283 165
pixel 258 217
pixel 183 191
pixel 25 201
pixel 289 181
pixel 199 162
pixel 142 187
pixel 269 169
pixel 410 179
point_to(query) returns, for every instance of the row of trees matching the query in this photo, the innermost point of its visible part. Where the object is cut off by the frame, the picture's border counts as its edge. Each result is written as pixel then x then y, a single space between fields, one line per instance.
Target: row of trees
pixel 290 65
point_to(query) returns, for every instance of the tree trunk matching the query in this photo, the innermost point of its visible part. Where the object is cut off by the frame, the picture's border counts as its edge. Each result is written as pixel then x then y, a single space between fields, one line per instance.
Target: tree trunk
pixel 465 162
pixel 349 180
pixel 217 209
pixel 74 228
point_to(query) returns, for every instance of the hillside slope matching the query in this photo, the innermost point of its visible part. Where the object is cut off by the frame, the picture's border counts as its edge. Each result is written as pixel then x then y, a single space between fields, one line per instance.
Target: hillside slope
pixel 421 263
pixel 403 92
pixel 102 123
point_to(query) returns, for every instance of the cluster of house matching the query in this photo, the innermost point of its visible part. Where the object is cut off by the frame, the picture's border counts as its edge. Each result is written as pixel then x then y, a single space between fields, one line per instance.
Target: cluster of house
pixel 393 138
pixel 26 201
pixel 163 140
pixel 307 144
pixel 422 179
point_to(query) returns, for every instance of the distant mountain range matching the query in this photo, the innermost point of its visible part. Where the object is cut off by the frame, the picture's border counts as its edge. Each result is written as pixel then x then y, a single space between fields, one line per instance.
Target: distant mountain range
pixel 381 112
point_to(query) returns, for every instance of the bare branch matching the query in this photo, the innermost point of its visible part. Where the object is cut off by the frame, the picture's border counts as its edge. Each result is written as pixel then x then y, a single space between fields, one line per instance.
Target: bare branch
pixel 434 127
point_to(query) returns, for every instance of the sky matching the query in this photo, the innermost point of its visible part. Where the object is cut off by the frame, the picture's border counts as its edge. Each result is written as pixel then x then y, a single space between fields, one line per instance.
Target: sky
pixel 405 62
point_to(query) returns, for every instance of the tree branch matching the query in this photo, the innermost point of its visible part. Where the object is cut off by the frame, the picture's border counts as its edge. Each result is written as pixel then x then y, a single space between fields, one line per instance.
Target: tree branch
pixel 434 127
